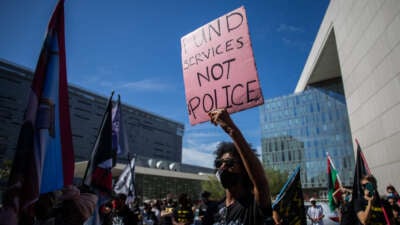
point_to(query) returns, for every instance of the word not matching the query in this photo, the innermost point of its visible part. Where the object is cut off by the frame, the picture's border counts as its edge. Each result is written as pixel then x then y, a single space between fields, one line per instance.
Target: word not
pixel 216 71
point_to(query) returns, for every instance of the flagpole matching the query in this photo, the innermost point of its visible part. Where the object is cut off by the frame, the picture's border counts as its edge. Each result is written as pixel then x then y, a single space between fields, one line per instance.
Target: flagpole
pixel 123 138
pixel 363 158
pixel 333 165
pixel 132 172
pixel 98 133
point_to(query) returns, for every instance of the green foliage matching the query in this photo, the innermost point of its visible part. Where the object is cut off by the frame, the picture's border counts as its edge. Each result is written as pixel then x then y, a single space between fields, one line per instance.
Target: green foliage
pixel 276 180
pixel 5 169
pixel 213 186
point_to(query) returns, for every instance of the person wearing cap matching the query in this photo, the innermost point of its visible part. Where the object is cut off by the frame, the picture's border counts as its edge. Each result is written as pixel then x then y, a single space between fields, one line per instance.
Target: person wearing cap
pixel 247 196
pixel 208 208
pixel 391 199
pixel 315 213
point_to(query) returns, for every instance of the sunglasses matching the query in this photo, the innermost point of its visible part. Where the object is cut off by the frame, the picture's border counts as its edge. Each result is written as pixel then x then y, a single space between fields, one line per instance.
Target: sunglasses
pixel 364 186
pixel 228 162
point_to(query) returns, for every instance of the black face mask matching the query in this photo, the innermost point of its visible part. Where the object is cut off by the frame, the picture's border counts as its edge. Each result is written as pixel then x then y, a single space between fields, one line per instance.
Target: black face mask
pixel 228 179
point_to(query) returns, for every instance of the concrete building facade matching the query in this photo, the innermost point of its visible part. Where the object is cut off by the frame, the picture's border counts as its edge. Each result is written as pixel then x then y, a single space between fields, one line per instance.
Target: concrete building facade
pixel 150 136
pixel 155 140
pixel 359 41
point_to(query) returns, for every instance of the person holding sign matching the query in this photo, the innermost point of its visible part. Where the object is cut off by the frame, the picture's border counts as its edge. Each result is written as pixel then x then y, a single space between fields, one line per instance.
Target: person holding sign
pixel 247 196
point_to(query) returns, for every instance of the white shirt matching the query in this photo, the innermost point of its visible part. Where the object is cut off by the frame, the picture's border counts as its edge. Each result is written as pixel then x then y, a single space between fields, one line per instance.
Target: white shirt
pixel 315 212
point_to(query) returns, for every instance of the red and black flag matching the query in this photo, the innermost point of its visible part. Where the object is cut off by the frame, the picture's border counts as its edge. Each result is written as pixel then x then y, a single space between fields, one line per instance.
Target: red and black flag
pixel 290 202
pixel 44 158
pixel 362 169
pixel 98 172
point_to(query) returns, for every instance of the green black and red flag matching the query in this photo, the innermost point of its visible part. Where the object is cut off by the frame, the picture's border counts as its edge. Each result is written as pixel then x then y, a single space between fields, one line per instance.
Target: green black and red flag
pixel 334 183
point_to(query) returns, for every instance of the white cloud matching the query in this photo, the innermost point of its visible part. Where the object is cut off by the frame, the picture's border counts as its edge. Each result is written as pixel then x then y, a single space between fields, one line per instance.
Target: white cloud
pixel 197 157
pixel 111 77
pixel 105 71
pixel 201 141
pixel 202 154
pixel 105 83
pixel 146 85
pixel 293 43
pixel 289 28
pixel 140 85
pixel 258 148
pixel 202 135
pixel 208 148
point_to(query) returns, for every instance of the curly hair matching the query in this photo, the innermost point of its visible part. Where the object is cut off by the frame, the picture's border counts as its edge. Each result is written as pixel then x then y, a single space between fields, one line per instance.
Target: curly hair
pixel 228 147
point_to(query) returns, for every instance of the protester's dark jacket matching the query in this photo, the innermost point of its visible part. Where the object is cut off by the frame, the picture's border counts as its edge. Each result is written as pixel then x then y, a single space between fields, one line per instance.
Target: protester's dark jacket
pixel 244 211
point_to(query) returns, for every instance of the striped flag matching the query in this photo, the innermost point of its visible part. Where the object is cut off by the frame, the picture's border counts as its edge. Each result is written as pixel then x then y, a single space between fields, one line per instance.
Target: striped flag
pixel 44 159
pixel 333 183
pixel 126 182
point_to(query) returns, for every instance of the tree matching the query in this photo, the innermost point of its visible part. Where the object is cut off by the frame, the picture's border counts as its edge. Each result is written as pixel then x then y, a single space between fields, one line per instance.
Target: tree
pixel 213 186
pixel 276 180
pixel 5 170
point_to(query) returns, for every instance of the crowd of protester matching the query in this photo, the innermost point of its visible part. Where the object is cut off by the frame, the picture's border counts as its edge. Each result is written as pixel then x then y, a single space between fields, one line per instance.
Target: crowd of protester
pixel 247 200
pixel 370 208
pixel 72 206
pixel 178 210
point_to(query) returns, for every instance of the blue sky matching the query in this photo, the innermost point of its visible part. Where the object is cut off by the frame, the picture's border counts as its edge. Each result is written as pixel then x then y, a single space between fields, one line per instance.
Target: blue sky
pixel 133 47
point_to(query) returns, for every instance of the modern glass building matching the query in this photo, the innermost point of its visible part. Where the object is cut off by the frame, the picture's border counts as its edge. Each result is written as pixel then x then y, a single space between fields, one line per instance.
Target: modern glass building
pixel 300 129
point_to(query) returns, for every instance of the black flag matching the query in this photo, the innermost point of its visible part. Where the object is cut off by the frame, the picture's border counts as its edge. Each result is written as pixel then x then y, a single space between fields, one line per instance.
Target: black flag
pixel 361 169
pixel 290 202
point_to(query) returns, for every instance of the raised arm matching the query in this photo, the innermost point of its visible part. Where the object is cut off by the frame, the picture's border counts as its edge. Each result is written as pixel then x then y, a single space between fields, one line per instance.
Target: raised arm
pixel 334 195
pixel 253 166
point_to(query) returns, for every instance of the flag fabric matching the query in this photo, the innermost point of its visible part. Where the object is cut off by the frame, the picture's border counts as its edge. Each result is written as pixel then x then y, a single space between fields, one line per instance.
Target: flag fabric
pixel 362 169
pixel 290 202
pixel 333 183
pixel 126 182
pixel 98 172
pixel 95 218
pixel 119 137
pixel 44 158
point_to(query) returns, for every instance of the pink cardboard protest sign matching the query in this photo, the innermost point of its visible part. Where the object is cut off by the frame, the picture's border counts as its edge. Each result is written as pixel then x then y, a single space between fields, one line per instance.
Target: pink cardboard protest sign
pixel 219 70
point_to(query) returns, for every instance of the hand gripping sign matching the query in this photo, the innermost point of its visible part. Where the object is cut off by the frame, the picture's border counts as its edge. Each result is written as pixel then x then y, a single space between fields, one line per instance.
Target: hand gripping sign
pixel 218 67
